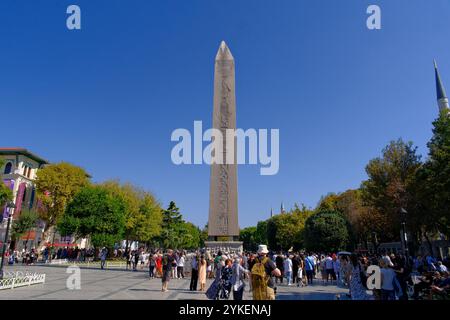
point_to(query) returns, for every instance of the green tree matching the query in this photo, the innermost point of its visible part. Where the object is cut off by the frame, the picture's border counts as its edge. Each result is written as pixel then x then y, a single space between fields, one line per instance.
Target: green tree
pixel 172 221
pixel 24 223
pixel 261 232
pixel 5 192
pixel 390 184
pixel 285 231
pixel 433 181
pixel 56 185
pixel 148 224
pixel 96 213
pixel 247 236
pixel 326 232
pixel 189 236
pixel 130 196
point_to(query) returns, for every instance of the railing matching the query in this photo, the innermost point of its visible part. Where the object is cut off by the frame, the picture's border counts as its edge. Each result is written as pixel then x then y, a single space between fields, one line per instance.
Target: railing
pixel 16 279
pixel 108 264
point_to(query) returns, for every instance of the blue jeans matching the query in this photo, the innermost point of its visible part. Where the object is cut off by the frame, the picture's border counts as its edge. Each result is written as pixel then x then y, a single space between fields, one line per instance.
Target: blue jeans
pixel 288 275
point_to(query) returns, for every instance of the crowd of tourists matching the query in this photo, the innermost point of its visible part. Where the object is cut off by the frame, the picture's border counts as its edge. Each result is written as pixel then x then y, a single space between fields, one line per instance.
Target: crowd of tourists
pixel 400 278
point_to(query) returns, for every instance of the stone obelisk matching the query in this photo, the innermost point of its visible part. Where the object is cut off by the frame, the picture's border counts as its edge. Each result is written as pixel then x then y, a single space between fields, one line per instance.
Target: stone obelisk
pixel 223 228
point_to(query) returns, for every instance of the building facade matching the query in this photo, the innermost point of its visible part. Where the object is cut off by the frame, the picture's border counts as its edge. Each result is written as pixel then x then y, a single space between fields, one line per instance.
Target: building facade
pixel 18 173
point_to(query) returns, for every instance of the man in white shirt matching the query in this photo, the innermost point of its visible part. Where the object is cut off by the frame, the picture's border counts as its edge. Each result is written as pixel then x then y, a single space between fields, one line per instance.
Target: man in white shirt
pixel 288 269
pixel 329 267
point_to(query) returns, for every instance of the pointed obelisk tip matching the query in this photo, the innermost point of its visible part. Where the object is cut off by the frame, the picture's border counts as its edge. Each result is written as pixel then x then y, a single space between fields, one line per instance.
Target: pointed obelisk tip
pixel 224 52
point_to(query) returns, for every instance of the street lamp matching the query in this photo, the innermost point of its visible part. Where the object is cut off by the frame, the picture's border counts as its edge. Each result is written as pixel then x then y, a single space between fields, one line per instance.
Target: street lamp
pixel 10 206
pixel 403 214
pixel 374 241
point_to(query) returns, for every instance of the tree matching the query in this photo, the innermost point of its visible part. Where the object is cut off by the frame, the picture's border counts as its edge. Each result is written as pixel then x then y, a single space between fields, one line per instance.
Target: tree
pixel 190 236
pixel 261 232
pixel 247 236
pixel 358 216
pixel 326 232
pixel 172 220
pixel 390 184
pixel 5 192
pixel 97 213
pixel 148 224
pixel 286 230
pixel 56 185
pixel 24 223
pixel 433 181
pixel 130 196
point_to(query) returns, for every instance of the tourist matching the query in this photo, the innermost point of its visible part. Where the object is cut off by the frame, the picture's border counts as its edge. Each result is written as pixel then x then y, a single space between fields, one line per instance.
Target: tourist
pixel 336 267
pixel 128 258
pixel 152 265
pixel 387 280
pixel 295 265
pixel 167 263
pixel 329 268
pixel 194 273
pixel 441 267
pixel 263 287
pixel 357 290
pixel 174 266
pixel 237 279
pixel 288 270
pixel 309 268
pixel 279 261
pixel 103 255
pixel 227 273
pixel 180 266
pixel 159 270
pixel 202 272
pixel 135 259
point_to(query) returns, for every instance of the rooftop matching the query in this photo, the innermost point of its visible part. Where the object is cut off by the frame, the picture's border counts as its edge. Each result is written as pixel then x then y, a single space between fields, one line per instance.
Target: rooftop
pixel 22 151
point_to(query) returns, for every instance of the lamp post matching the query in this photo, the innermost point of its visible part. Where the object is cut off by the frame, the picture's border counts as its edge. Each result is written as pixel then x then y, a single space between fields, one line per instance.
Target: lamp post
pixel 10 206
pixel 403 214
pixel 374 241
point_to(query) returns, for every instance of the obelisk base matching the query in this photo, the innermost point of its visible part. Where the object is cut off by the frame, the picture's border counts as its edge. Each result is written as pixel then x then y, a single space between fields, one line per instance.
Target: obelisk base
pixel 229 247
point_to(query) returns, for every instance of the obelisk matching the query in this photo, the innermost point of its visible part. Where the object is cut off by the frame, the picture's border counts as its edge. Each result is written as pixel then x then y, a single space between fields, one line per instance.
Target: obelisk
pixel 223 228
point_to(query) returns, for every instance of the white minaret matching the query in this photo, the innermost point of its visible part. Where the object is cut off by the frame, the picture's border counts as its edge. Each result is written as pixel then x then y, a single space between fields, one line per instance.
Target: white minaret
pixel 442 98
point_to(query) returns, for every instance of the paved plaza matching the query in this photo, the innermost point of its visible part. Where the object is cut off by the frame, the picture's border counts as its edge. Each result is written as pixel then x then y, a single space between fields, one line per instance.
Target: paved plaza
pixel 109 284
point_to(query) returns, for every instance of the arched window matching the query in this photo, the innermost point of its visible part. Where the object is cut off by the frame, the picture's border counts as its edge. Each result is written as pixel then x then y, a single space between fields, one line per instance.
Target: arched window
pixel 8 168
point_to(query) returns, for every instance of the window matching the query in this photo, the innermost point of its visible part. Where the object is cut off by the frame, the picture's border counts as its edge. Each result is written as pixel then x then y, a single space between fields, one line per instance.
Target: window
pixel 8 168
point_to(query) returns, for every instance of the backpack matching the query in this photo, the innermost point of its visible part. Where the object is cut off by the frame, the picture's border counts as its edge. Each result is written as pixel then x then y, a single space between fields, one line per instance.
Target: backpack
pixel 259 280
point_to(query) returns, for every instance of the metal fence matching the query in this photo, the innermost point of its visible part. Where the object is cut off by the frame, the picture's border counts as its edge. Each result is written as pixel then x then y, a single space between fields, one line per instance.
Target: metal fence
pixel 16 279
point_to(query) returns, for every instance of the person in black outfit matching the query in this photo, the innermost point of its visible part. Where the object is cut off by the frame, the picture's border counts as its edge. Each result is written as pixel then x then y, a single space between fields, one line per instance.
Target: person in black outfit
pixel 167 262
pixel 279 261
pixel 136 260
pixel 194 274
pixel 295 265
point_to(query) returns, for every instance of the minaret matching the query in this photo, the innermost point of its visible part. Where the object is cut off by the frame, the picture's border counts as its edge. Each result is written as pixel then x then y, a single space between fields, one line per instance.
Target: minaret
pixel 271 212
pixel 282 208
pixel 441 95
pixel 223 207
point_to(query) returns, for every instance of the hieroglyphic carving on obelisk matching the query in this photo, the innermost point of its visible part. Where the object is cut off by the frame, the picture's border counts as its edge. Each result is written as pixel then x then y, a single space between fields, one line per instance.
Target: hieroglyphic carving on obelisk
pixel 223 215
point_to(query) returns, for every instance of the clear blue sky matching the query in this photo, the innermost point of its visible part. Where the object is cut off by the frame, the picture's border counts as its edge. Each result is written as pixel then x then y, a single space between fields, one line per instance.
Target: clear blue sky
pixel 107 97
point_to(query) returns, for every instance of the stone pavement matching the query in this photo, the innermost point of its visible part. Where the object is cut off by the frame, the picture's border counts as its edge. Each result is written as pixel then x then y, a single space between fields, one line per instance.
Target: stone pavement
pixel 120 284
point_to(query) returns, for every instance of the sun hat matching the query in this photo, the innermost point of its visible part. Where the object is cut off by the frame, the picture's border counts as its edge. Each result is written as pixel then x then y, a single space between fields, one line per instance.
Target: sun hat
pixel 262 248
